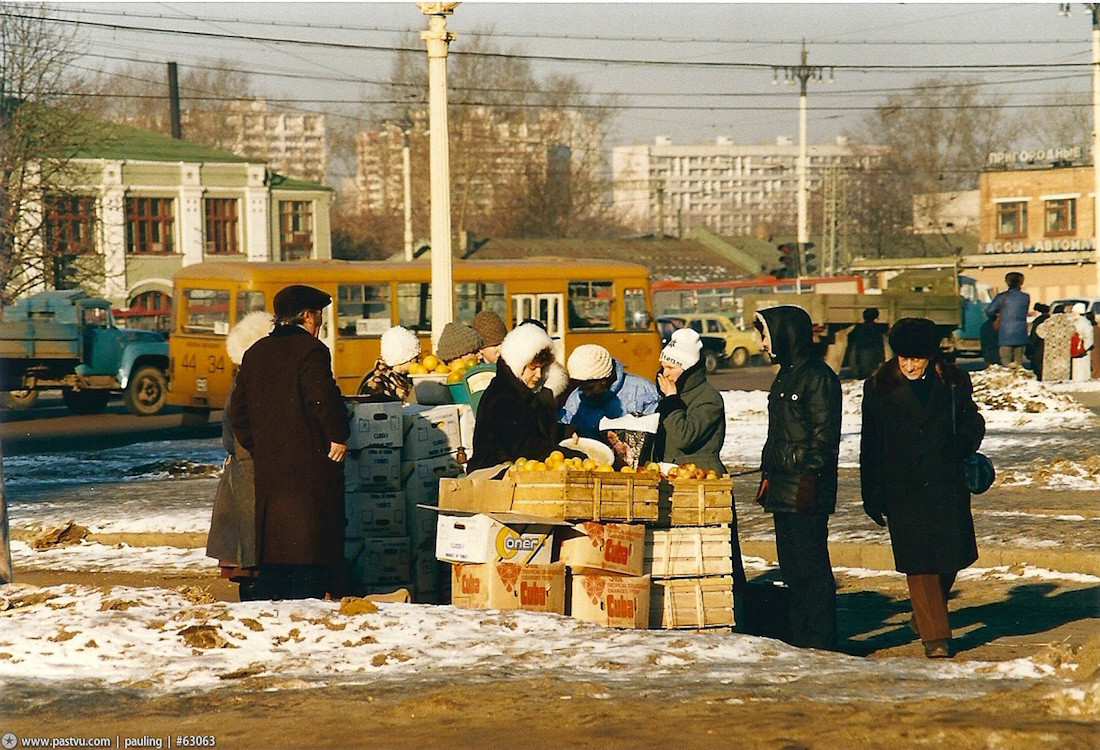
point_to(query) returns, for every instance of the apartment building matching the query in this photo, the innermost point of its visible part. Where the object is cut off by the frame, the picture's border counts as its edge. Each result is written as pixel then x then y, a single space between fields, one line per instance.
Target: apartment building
pixel 731 189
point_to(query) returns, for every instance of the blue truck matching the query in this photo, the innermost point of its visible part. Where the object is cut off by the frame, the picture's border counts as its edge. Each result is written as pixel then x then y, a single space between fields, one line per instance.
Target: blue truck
pixel 67 339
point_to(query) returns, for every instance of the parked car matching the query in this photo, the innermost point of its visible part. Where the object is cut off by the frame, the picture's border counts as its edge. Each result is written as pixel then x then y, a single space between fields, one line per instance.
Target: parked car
pixel 1092 304
pixel 714 347
pixel 739 346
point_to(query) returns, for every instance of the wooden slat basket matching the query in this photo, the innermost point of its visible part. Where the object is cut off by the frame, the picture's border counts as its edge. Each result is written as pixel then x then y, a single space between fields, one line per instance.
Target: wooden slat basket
pixel 692 603
pixel 688 552
pixel 574 495
pixel 697 502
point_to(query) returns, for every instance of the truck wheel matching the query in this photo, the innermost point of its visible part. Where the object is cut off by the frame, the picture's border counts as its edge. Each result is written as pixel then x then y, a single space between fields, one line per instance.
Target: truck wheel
pixel 18 400
pixel 147 391
pixel 85 402
pixel 710 361
pixel 740 357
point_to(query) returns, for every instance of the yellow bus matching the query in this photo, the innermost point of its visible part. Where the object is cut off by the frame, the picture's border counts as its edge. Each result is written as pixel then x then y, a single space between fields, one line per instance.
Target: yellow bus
pixel 579 302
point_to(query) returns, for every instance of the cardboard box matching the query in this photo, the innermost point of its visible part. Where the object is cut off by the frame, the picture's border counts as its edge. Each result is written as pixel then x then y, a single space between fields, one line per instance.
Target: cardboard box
pixel 430 431
pixel 688 552
pixel 536 588
pixel 613 547
pixel 494 537
pixel 692 603
pixel 611 600
pixel 421 478
pixel 375 469
pixel 697 502
pixel 380 561
pixel 375 514
pixel 476 495
pixel 377 424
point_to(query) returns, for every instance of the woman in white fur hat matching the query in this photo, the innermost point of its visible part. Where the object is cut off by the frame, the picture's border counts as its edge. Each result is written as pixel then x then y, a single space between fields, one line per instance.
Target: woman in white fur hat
pixel 517 416
pixel 232 537
pixel 389 379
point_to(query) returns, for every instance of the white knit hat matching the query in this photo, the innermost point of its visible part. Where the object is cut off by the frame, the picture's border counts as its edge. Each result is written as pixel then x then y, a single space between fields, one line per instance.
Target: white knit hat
pixel 556 380
pixel 249 329
pixel 522 344
pixel 399 345
pixel 683 348
pixel 590 362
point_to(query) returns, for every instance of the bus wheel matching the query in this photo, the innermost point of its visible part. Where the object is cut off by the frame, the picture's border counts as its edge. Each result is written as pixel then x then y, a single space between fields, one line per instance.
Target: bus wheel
pixel 710 361
pixel 740 357
pixel 85 402
pixel 18 400
pixel 195 416
pixel 146 392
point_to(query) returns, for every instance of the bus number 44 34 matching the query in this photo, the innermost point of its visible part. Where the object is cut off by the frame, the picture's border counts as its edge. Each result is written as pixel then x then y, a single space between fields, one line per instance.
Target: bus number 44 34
pixel 214 363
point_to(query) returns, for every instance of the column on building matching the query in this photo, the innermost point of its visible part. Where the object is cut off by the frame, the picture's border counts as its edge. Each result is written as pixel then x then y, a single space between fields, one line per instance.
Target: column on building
pixel 112 215
pixel 191 216
pixel 257 219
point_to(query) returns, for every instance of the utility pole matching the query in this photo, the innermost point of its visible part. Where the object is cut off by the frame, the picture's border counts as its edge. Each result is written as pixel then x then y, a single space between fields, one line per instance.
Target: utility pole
pixel 1094 12
pixel 803 73
pixel 406 174
pixel 437 40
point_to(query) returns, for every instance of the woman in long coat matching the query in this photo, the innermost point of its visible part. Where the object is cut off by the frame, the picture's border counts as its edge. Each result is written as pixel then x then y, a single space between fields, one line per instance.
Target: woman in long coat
pixel 919 424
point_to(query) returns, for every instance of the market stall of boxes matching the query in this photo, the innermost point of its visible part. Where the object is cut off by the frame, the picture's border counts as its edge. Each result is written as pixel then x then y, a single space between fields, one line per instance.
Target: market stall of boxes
pixel 396 458
pixel 631 550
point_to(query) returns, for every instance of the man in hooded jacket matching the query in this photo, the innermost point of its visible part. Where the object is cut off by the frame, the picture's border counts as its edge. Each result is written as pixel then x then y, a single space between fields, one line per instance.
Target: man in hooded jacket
pixel 799 470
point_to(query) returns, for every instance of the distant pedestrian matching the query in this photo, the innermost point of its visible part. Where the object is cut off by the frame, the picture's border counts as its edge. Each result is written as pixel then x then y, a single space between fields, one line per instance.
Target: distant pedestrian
pixel 866 345
pixel 919 423
pixel 1081 346
pixel 1034 341
pixel 1010 309
pixel 798 467
pixel 1057 334
pixel 287 410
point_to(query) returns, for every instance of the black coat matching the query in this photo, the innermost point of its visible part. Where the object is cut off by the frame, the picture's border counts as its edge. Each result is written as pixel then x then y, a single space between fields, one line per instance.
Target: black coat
pixel 911 466
pixel 693 423
pixel 287 409
pixel 866 348
pixel 515 422
pixel 804 406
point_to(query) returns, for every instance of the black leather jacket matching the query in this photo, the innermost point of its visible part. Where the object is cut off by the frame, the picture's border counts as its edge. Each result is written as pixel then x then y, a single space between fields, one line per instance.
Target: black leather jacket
pixel 804 406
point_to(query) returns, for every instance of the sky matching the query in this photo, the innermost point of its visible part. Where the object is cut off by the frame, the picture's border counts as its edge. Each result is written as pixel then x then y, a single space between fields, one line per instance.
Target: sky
pixel 689 71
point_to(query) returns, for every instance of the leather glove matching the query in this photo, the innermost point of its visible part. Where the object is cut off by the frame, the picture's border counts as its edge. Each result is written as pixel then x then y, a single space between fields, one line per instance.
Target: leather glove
pixel 805 498
pixel 762 492
pixel 874 514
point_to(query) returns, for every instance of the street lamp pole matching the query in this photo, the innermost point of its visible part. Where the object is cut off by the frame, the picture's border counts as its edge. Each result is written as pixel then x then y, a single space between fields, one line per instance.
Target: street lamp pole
pixel 438 39
pixel 803 73
pixel 1094 11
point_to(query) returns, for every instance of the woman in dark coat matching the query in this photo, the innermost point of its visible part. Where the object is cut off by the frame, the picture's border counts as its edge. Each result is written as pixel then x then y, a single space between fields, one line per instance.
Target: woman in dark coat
pixel 693 417
pixel 919 423
pixel 517 416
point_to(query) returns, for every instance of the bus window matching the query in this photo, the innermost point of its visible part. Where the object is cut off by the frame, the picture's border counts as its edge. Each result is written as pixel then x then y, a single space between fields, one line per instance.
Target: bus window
pixel 414 306
pixel 206 311
pixel 473 297
pixel 363 309
pixel 637 316
pixel 590 304
pixel 249 302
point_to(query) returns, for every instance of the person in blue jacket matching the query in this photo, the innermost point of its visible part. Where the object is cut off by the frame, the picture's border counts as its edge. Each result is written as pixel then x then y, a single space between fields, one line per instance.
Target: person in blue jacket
pixel 1010 308
pixel 604 389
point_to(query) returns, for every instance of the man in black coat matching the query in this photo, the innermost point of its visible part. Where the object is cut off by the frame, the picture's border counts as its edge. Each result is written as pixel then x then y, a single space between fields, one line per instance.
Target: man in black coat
pixel 288 412
pixel 799 470
pixel 866 345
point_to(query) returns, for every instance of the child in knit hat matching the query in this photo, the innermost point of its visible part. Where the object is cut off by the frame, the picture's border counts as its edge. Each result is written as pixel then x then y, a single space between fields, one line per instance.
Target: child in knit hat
pixel 389 379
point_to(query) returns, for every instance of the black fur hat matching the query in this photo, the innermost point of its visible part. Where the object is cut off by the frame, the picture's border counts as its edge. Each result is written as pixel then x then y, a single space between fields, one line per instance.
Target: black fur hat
pixel 916 338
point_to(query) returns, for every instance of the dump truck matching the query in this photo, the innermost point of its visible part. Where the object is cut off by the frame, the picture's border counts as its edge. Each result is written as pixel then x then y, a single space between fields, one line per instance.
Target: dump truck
pixel 953 302
pixel 69 340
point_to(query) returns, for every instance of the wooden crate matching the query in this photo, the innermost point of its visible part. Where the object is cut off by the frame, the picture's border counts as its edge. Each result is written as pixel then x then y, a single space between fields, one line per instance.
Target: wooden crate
pixel 574 495
pixel 692 603
pixel 688 552
pixel 696 502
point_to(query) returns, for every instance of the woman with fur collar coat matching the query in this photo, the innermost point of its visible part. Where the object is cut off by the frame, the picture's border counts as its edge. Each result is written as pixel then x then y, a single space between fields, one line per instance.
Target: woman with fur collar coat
pixel 919 423
pixel 517 416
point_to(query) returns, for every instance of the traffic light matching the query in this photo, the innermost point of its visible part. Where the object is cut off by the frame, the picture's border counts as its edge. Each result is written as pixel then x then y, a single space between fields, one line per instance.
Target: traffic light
pixel 788 262
pixel 809 259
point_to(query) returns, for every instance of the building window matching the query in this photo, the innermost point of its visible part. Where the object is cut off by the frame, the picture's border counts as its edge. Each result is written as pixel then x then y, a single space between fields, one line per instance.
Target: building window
pixel 221 226
pixel 1061 216
pixel 150 225
pixel 1012 219
pixel 70 224
pixel 296 229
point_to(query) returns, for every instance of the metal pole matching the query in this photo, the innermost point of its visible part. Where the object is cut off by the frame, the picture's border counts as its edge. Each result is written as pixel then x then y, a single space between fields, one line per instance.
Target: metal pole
pixel 1094 8
pixel 406 172
pixel 437 39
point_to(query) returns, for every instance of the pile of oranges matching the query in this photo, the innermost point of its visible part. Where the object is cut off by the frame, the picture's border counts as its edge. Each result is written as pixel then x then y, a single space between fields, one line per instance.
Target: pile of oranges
pixel 429 364
pixel 557 461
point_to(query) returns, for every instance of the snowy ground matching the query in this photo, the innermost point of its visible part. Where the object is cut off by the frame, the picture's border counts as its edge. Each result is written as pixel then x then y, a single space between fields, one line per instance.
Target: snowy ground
pixel 79 637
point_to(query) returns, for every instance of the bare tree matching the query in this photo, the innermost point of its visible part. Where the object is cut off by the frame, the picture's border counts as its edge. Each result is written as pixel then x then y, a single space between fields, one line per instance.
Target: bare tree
pixel 42 132
pixel 1064 120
